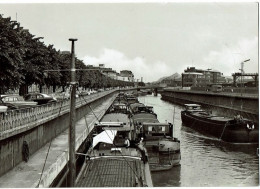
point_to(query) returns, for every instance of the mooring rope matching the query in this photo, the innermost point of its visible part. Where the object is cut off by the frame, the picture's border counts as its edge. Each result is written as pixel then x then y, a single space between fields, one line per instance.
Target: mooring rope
pixel 223 130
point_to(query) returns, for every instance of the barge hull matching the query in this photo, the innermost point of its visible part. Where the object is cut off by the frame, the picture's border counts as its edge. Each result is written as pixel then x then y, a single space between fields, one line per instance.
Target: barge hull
pixel 220 130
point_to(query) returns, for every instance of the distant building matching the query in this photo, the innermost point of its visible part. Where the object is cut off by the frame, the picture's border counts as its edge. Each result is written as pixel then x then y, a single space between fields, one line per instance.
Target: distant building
pixel 193 77
pixel 175 82
pixel 128 75
pixel 122 78
pixel 101 66
pixel 124 75
pixel 110 73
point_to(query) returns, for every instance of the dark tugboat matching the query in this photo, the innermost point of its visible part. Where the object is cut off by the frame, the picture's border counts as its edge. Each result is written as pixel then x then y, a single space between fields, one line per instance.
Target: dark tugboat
pixel 163 148
pixel 233 130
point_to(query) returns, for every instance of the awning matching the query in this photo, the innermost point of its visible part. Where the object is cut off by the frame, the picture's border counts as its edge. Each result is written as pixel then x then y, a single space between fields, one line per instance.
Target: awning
pixel 107 136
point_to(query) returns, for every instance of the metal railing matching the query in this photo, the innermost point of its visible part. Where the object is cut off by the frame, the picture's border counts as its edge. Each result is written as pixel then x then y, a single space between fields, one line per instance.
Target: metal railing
pixel 14 121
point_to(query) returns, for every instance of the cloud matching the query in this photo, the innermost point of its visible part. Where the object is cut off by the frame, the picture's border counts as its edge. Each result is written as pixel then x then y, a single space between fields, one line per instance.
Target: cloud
pixel 150 71
pixel 228 60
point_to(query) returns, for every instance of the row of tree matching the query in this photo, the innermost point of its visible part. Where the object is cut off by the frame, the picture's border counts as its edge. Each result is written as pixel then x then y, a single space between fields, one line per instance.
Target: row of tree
pixel 24 60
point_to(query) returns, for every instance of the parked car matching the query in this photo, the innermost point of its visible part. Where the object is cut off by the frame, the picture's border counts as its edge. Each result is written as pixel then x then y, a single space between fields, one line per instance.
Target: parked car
pixel 15 101
pixel 93 92
pixel 100 90
pixel 40 98
pixel 84 93
pixel 3 108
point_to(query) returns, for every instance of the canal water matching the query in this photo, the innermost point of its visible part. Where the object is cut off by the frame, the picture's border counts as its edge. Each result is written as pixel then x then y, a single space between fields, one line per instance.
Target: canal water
pixel 205 161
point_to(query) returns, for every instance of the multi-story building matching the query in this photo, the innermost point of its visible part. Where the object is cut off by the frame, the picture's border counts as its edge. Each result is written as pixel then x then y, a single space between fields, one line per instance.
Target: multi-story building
pixel 193 77
pixel 128 75
pixel 124 75
pixel 122 78
pixel 110 73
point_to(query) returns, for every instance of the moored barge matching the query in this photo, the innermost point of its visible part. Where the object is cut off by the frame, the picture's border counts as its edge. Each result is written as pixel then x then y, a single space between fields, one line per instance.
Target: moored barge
pixel 115 160
pixel 163 148
pixel 233 130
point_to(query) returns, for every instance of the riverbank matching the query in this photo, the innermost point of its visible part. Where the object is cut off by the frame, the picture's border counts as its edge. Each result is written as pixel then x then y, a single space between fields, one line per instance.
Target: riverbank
pixel 224 104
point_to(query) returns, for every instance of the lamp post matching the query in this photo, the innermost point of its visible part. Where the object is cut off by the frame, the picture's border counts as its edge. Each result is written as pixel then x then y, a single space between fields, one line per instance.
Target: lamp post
pixel 242 71
pixel 72 167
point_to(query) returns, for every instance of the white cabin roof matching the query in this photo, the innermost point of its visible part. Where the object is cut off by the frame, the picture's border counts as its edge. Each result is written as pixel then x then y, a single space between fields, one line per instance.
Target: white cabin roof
pixel 115 124
pixel 191 105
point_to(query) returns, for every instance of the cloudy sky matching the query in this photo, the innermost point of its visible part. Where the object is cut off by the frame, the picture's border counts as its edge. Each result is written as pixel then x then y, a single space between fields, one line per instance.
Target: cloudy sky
pixel 151 39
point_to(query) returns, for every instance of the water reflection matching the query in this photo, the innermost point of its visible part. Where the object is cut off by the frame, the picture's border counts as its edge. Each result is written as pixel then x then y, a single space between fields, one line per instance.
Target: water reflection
pixel 206 160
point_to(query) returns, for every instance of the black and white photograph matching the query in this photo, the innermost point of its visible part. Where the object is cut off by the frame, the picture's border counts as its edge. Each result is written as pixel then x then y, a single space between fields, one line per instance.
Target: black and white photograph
pixel 129 93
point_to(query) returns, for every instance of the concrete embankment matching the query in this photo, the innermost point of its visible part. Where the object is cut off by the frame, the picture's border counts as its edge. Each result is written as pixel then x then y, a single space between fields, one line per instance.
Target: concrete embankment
pixel 37 126
pixel 53 156
pixel 224 104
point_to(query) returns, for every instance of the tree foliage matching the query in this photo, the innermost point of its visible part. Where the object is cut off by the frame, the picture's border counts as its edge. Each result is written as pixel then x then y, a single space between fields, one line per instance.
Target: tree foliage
pixel 25 60
pixel 11 54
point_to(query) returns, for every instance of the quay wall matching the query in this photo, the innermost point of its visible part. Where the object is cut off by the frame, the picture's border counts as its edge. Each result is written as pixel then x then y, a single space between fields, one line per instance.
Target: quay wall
pixel 39 125
pixel 224 104
pixel 57 174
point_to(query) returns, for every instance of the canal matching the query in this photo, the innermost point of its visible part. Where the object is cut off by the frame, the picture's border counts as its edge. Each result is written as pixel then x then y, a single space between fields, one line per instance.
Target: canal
pixel 205 161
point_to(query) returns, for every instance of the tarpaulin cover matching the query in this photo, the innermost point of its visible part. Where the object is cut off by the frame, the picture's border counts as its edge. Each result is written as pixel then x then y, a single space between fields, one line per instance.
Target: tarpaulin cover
pixel 107 136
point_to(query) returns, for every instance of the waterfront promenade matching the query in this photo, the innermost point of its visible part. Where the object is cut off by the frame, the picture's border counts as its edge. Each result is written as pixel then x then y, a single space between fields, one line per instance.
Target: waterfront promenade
pixel 27 175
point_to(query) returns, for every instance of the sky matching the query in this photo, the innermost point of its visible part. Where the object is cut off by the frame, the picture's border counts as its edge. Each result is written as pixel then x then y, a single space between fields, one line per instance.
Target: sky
pixel 152 40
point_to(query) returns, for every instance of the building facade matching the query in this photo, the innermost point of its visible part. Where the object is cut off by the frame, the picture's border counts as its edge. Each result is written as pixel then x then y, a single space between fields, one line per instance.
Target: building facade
pixel 128 75
pixel 110 73
pixel 193 77
pixel 124 75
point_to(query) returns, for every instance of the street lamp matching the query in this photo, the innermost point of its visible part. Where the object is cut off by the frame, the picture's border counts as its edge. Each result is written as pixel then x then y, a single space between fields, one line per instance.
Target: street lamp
pixel 72 165
pixel 242 71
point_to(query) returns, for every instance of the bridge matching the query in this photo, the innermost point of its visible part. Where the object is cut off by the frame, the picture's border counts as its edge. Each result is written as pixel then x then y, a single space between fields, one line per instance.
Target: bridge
pixel 238 74
pixel 155 87
pixel 45 130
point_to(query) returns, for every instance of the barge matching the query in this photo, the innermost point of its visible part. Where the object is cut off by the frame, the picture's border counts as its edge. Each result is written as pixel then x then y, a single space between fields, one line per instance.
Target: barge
pixel 115 159
pixel 163 148
pixel 232 130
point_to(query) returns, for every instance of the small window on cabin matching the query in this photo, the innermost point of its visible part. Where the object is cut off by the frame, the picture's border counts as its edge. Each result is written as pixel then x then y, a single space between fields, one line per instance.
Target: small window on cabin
pixel 150 128
pixel 10 99
pixel 39 96
pixel 163 129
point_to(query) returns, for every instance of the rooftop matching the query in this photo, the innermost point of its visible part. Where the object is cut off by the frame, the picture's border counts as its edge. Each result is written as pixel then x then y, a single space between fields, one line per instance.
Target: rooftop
pixel 192 73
